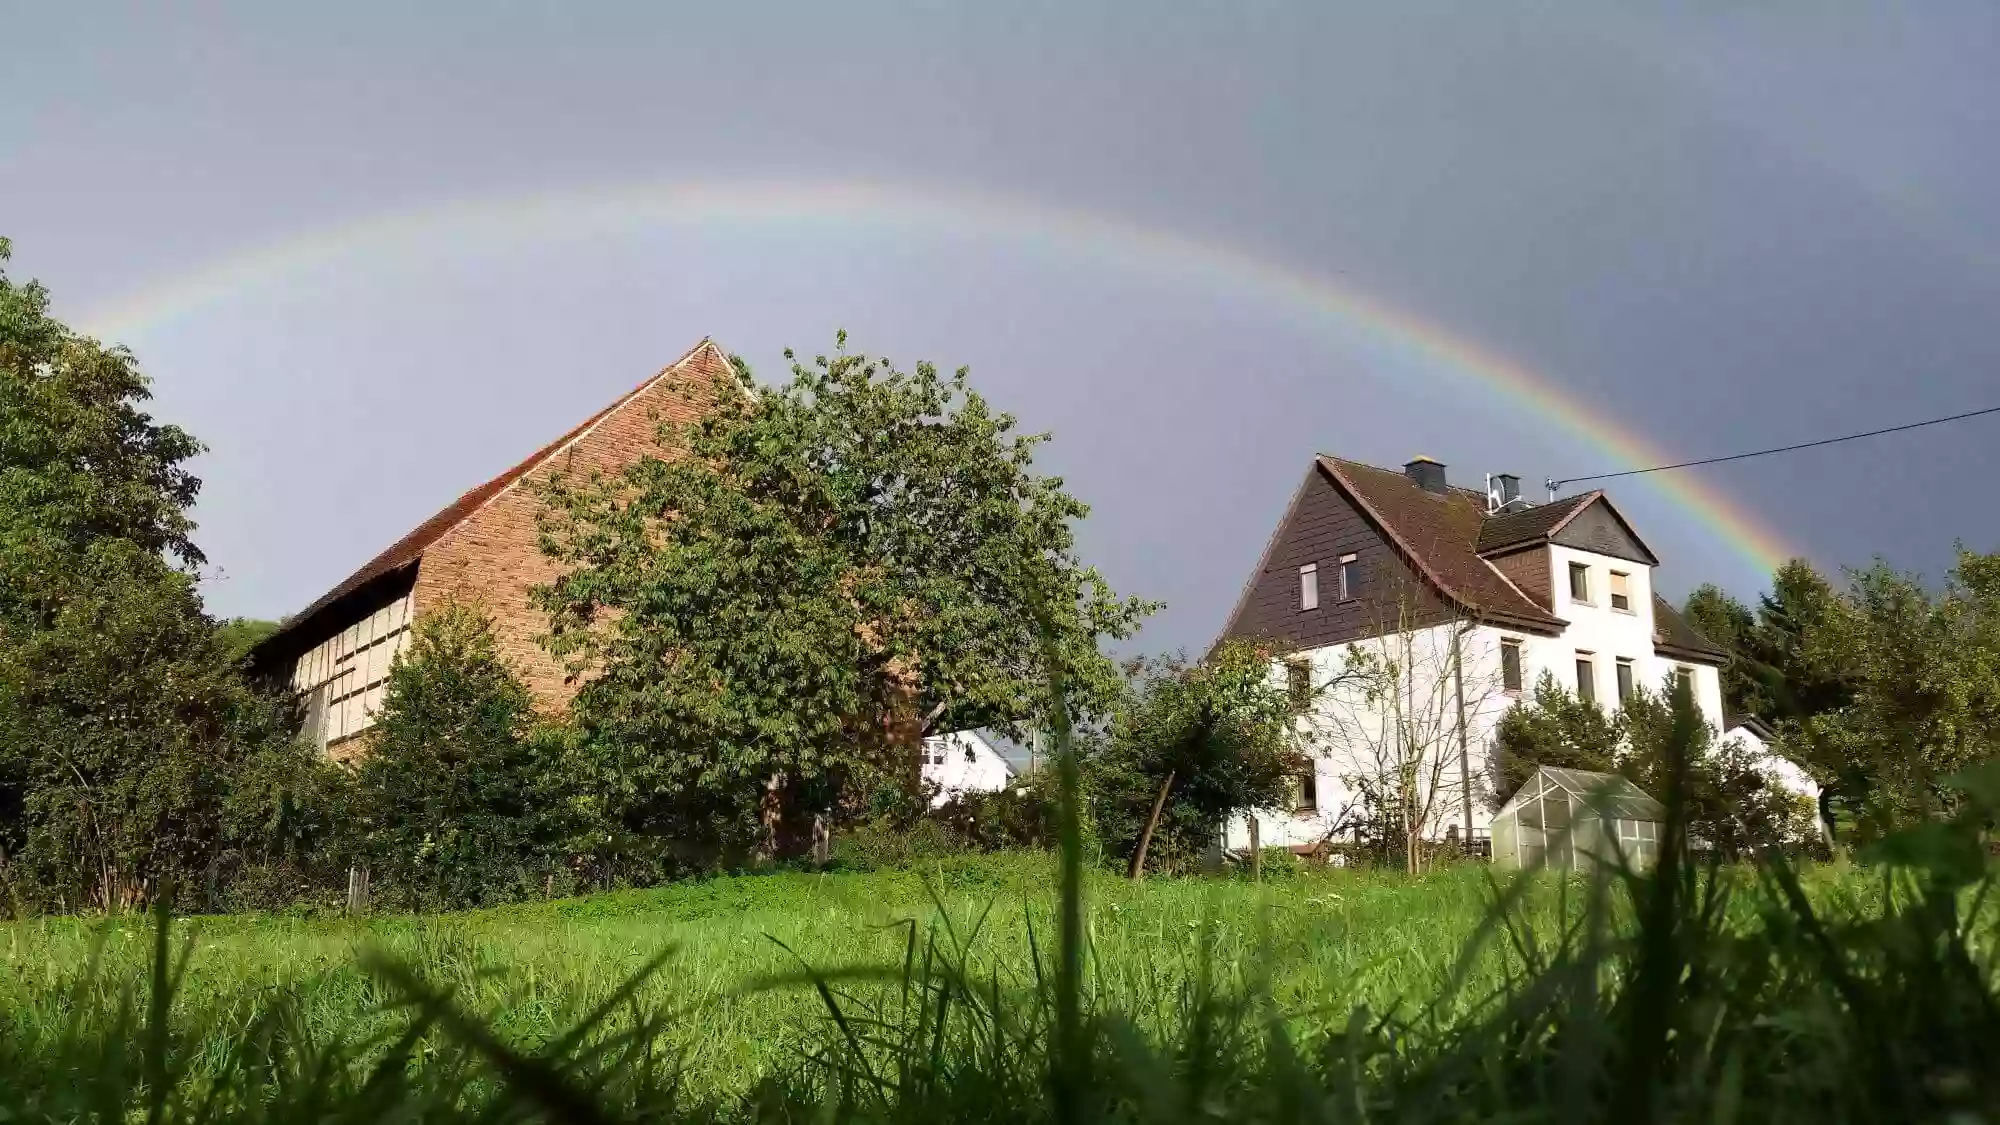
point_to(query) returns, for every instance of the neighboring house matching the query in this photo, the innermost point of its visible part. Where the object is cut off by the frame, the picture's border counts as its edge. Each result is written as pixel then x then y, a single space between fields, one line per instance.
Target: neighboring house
pixel 1778 770
pixel 483 547
pixel 963 762
pixel 1473 596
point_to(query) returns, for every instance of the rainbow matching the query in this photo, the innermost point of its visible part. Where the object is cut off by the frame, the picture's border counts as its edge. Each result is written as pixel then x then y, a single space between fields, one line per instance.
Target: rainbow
pixel 1318 298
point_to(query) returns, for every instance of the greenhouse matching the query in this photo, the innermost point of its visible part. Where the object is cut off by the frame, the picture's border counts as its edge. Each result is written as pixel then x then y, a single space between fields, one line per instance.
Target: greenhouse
pixel 1574 820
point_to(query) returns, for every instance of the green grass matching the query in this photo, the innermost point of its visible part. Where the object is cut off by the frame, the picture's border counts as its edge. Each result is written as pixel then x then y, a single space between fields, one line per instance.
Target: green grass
pixel 1332 941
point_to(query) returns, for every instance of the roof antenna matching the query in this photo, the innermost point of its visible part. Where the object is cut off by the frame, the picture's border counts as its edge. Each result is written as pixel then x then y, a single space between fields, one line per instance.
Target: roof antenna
pixel 1552 483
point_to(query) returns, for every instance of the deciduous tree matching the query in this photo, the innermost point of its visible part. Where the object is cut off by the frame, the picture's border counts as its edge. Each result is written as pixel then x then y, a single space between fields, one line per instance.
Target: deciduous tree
pixel 832 569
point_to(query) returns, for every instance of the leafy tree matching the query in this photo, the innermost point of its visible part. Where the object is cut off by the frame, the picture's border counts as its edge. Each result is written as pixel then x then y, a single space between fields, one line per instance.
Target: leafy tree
pixel 1731 624
pixel 241 634
pixel 1731 805
pixel 1553 728
pixel 836 567
pixel 1917 676
pixel 287 822
pixel 1799 680
pixel 457 806
pixel 120 713
pixel 1197 742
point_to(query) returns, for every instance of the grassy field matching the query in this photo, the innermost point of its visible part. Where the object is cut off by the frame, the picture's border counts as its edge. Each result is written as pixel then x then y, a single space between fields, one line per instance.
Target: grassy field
pixel 1326 941
pixel 1811 996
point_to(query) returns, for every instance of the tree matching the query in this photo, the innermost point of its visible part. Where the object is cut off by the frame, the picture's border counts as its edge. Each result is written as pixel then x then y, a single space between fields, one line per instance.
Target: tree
pixel 458 808
pixel 831 570
pixel 1189 746
pixel 1398 721
pixel 1553 728
pixel 1730 803
pixel 241 634
pixel 1729 623
pixel 121 715
pixel 1916 673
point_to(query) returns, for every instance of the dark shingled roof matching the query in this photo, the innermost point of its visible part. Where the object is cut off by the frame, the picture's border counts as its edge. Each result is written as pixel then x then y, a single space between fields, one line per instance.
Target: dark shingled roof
pixel 1673 636
pixel 1439 534
pixel 1528 525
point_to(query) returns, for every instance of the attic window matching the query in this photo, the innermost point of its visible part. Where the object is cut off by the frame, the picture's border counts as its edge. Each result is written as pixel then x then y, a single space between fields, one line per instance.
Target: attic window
pixel 1345 592
pixel 1621 591
pixel 1309 586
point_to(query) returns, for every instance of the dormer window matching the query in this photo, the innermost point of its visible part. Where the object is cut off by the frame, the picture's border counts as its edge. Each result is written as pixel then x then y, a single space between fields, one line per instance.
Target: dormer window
pixel 1579 583
pixel 1621 591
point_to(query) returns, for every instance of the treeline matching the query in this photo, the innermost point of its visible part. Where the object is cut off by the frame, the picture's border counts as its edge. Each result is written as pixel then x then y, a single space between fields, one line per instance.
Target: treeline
pixel 762 632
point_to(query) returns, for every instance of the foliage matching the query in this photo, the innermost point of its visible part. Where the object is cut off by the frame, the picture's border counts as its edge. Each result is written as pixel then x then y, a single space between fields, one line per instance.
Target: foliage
pixel 1771 674
pixel 1020 815
pixel 287 820
pixel 1693 994
pixel 1221 736
pixel 241 634
pixel 1552 728
pixel 1920 691
pixel 832 569
pixel 120 714
pixel 457 805
pixel 1731 804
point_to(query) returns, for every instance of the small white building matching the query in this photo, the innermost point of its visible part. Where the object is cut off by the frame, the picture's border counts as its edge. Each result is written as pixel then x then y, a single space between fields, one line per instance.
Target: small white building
pixel 1473 597
pixel 963 762
pixel 1779 771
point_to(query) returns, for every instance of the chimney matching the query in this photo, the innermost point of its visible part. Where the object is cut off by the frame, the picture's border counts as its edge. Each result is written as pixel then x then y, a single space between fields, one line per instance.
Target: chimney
pixel 1428 474
pixel 1510 489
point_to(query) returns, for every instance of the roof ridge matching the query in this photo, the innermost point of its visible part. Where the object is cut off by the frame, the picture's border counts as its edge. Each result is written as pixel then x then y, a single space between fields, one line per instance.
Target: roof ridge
pixel 426 534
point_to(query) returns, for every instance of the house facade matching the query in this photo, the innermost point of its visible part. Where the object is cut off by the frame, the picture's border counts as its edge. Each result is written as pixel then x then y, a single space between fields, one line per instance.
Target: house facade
pixel 963 762
pixel 1414 614
pixel 482 547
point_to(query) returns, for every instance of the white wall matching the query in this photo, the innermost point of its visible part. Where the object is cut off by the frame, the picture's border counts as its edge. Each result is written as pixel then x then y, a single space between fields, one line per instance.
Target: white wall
pixel 1347 728
pixel 963 762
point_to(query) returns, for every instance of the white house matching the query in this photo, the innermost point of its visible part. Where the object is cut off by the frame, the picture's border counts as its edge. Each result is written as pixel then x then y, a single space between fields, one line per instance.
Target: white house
pixel 1472 597
pixel 963 762
pixel 1779 772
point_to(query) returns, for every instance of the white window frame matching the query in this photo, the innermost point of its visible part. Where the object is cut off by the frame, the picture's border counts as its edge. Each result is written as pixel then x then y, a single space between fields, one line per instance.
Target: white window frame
pixel 1309 587
pixel 1586 660
pixel 1621 578
pixel 1345 579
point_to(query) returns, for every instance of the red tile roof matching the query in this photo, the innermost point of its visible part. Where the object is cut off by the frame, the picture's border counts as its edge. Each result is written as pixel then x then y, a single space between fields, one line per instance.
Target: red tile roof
pixel 410 548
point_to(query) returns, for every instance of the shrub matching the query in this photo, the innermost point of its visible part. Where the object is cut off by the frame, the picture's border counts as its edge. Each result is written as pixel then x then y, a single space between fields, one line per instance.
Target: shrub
pixel 461 803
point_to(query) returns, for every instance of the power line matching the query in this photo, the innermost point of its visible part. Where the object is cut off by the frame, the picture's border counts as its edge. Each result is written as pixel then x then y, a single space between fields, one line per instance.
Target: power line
pixel 1555 484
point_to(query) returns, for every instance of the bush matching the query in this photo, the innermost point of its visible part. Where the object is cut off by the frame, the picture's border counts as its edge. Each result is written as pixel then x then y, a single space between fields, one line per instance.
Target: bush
pixel 461 802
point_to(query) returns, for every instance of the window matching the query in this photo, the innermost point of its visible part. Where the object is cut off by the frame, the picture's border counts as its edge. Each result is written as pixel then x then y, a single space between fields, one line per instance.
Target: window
pixel 1347 578
pixel 1305 790
pixel 1624 680
pixel 1579 582
pixel 1309 586
pixel 1299 680
pixel 1621 591
pixel 1586 678
pixel 1510 665
pixel 1684 678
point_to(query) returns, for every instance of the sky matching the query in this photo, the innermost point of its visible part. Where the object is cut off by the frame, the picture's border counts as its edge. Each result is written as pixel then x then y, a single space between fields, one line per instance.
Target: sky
pixel 373 254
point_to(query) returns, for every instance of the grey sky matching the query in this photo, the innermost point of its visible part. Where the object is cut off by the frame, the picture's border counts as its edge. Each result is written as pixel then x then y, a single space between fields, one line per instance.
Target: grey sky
pixel 1722 227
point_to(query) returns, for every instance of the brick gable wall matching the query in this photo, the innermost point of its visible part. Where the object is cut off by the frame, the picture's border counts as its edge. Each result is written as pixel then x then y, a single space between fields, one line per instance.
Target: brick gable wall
pixel 493 556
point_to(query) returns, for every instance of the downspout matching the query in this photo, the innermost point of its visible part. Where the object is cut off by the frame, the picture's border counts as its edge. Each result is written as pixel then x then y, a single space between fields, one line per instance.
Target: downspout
pixel 1464 756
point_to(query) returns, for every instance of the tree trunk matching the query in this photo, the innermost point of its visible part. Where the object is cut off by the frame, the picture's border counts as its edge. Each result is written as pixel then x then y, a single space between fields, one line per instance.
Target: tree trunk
pixel 1256 851
pixel 1146 837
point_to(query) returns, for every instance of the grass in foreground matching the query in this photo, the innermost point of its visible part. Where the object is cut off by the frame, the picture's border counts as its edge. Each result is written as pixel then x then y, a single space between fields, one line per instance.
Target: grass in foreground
pixel 1680 995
